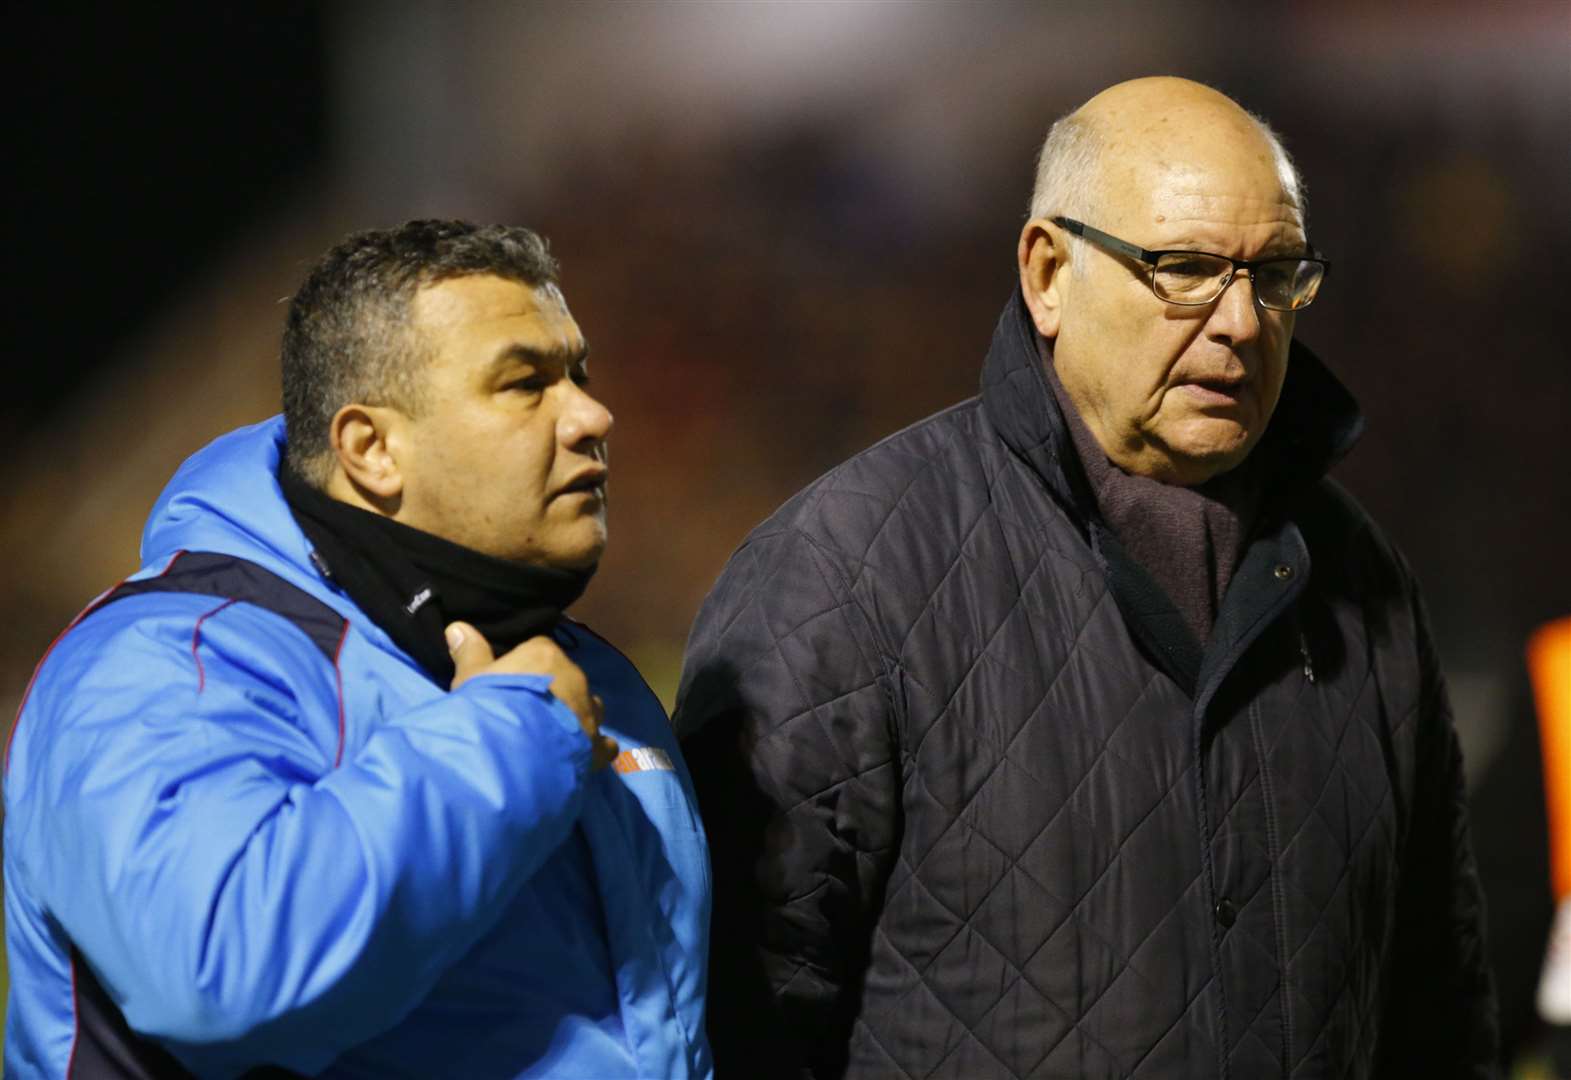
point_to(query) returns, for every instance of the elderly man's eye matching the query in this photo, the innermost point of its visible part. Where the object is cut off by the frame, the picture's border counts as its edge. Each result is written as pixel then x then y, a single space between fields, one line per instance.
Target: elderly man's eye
pixel 1192 269
pixel 1278 274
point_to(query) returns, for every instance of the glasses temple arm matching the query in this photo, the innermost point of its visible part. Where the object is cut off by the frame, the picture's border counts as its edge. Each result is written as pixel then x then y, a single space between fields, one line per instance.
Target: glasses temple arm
pixel 1106 240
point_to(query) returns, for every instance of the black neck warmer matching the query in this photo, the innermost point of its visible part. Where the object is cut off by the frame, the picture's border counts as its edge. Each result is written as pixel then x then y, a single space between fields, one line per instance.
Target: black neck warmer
pixel 412 584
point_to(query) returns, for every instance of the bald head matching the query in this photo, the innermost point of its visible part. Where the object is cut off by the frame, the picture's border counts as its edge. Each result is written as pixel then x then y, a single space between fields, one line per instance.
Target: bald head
pixel 1116 140
pixel 1173 391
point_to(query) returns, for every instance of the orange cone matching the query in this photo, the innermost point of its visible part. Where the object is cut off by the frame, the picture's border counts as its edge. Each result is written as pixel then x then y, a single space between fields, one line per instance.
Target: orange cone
pixel 1549 664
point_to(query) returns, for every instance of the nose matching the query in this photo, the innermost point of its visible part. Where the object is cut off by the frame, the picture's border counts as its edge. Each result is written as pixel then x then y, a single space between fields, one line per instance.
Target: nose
pixel 583 421
pixel 1236 317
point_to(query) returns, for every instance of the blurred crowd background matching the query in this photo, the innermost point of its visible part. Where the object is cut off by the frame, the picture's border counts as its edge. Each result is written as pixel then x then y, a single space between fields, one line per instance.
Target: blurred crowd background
pixel 787 229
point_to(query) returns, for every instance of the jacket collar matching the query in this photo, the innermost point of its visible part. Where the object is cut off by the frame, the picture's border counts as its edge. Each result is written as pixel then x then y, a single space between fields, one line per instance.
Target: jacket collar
pixel 1316 423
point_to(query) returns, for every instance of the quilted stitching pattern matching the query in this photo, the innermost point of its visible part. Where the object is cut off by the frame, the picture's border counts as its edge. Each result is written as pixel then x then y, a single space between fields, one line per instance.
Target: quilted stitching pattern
pixel 986 854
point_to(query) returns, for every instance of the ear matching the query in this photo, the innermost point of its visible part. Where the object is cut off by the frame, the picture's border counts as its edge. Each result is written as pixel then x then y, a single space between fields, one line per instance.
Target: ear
pixel 1044 265
pixel 365 441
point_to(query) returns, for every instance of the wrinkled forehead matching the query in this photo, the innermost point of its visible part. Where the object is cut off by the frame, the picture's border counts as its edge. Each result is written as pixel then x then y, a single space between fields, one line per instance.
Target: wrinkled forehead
pixel 469 321
pixel 465 298
pixel 1193 164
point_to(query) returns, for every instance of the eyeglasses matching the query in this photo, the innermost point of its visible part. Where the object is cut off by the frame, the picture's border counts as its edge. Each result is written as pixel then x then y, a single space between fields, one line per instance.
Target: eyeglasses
pixel 1282 283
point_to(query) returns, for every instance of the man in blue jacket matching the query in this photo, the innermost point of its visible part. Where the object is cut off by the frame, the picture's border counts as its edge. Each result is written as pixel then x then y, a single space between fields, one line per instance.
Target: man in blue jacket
pixel 322 788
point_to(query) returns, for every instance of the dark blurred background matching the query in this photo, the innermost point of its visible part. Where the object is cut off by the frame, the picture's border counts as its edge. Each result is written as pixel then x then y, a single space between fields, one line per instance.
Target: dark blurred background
pixel 787 229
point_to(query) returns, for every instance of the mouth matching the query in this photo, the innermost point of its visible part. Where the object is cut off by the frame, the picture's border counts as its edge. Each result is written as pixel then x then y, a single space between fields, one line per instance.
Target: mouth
pixel 589 481
pixel 1218 391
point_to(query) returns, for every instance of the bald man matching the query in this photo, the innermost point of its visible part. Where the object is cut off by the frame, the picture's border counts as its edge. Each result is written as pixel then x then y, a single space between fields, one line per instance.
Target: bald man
pixel 1086 728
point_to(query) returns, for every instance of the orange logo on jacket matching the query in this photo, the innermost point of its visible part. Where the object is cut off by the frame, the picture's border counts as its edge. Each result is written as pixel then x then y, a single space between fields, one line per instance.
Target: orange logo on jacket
pixel 642 759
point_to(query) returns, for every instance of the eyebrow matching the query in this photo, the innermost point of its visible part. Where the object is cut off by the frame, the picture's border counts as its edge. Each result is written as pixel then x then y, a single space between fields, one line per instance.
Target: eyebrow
pixel 1187 242
pixel 518 353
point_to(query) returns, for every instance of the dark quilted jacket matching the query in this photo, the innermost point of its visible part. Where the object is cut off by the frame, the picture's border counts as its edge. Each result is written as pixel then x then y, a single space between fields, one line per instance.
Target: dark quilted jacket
pixel 977 808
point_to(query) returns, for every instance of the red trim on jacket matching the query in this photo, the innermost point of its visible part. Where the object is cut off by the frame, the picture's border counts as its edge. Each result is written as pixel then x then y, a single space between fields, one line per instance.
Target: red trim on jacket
pixel 76 1022
pixel 196 641
pixel 338 677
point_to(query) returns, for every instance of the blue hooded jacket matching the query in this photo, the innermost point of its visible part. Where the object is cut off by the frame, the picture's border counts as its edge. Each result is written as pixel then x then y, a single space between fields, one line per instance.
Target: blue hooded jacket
pixel 338 866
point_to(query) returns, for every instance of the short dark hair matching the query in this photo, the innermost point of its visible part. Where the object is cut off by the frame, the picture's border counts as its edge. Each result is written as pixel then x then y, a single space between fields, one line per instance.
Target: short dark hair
pixel 347 337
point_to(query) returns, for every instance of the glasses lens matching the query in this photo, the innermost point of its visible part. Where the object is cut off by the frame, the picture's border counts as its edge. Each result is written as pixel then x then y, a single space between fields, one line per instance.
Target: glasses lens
pixel 1184 277
pixel 1288 284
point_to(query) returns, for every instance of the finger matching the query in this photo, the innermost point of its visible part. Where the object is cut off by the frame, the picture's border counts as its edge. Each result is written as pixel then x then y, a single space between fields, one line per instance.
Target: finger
pixel 469 649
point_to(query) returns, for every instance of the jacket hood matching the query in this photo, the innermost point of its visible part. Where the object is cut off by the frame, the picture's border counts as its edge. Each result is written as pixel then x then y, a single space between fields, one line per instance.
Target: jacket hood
pixel 225 499
pixel 1316 422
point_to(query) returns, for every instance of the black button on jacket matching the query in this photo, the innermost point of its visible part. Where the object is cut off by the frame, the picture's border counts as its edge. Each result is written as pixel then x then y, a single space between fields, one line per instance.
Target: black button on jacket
pixel 975 811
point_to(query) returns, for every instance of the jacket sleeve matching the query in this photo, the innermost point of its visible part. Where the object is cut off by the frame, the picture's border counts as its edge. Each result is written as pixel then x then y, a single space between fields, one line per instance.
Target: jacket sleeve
pixel 787 724
pixel 240 898
pixel 1440 1013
